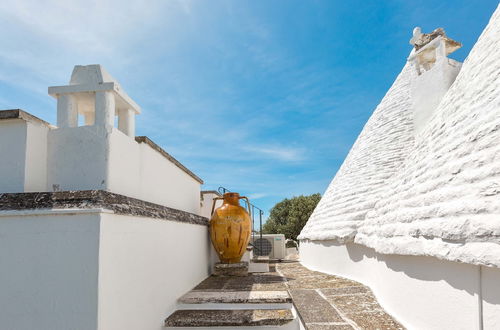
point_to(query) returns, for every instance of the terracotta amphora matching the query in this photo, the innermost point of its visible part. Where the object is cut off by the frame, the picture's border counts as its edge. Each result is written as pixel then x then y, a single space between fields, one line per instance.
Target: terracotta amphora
pixel 230 228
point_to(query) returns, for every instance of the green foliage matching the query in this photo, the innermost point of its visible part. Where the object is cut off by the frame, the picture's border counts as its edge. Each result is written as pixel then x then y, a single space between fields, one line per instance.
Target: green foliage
pixel 290 215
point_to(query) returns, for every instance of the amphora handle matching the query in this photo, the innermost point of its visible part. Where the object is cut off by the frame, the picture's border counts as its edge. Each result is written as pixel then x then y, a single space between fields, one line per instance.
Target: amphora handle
pixel 213 204
pixel 248 204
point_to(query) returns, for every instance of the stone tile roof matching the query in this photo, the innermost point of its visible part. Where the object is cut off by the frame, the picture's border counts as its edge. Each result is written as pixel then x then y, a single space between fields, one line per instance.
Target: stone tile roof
pixel 445 201
pixel 437 194
pixel 373 160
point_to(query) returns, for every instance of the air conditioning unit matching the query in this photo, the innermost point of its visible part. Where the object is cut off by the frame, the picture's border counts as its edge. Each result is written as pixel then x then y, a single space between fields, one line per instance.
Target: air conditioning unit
pixel 272 245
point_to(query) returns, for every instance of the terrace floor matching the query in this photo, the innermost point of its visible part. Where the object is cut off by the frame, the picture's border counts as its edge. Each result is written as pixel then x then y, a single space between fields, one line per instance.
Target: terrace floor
pixel 322 301
pixel 327 302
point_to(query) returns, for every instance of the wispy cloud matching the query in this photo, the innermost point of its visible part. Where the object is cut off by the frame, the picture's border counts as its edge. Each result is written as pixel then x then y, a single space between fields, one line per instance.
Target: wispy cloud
pixel 48 37
pixel 277 152
pixel 257 196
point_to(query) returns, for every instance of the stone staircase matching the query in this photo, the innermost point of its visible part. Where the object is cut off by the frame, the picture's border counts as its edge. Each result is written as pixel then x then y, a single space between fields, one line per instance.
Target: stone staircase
pixel 241 309
pixel 256 301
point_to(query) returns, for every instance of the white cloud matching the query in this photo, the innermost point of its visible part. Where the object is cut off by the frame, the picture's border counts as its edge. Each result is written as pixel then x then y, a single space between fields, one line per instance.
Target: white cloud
pixel 42 40
pixel 278 152
pixel 257 196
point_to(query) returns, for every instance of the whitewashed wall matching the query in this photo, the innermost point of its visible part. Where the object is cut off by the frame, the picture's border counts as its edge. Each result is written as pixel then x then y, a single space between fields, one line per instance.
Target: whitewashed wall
pixel 77 158
pixel 207 199
pixel 12 143
pixel 36 156
pixel 421 292
pixel 164 183
pixel 48 270
pixel 89 269
pixel 144 266
pixel 91 157
pixel 23 146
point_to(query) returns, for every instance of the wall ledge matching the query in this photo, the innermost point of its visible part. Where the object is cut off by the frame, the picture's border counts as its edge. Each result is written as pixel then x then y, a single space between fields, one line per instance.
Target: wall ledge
pixel 146 140
pixel 95 199
pixel 21 114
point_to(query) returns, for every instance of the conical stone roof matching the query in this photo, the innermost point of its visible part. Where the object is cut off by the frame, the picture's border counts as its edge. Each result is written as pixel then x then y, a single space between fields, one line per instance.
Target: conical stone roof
pixel 445 200
pixel 374 159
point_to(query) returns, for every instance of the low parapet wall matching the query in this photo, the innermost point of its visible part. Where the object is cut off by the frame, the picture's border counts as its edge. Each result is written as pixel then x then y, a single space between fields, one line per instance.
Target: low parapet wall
pixel 95 260
pixel 421 292
pixel 95 199
pixel 42 157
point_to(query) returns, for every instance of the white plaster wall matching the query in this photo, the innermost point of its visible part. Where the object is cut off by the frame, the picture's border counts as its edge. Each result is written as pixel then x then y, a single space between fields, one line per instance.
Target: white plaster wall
pixel 12 150
pixel 77 158
pixel 164 183
pixel 145 266
pixel 124 166
pixel 421 292
pixel 428 89
pixel 36 157
pixel 207 200
pixel 94 157
pixel 48 271
pixel 490 285
pixel 206 211
pixel 139 171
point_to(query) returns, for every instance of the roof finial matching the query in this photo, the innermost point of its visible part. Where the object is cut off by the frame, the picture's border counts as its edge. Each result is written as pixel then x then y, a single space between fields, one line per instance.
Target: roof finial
pixel 420 39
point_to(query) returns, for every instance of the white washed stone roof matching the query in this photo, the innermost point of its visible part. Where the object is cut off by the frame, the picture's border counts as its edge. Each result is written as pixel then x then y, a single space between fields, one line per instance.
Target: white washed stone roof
pixel 373 160
pixel 445 201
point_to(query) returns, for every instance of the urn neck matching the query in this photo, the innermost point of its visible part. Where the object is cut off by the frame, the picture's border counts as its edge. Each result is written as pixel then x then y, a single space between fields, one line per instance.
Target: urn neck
pixel 232 198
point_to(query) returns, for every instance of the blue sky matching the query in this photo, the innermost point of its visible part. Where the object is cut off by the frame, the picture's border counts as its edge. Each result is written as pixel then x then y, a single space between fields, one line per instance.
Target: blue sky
pixel 262 96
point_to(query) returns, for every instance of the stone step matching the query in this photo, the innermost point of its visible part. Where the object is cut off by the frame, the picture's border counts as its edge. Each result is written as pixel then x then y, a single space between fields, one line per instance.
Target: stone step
pixel 235 300
pixel 235 269
pixel 258 267
pixel 229 318
pixel 261 259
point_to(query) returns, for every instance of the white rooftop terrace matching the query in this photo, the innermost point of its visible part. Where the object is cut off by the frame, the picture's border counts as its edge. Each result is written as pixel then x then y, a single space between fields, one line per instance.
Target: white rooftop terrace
pixel 92 154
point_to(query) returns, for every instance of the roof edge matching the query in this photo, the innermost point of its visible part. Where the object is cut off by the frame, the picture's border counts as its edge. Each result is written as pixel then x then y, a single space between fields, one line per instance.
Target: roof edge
pixel 21 114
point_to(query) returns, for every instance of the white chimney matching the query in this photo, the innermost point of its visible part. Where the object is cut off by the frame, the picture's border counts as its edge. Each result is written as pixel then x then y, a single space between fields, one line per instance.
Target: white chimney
pixel 93 93
pixel 436 72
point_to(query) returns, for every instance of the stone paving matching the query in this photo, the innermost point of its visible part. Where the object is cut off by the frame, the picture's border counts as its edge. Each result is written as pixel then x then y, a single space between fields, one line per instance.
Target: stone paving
pixel 327 302
pixel 323 302
pixel 271 281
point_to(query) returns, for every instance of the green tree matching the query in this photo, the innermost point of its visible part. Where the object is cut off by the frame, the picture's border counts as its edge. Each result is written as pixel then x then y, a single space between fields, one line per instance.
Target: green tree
pixel 290 215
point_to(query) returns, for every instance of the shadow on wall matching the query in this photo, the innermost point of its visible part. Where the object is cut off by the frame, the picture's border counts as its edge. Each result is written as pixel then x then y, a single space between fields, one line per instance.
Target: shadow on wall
pixel 424 268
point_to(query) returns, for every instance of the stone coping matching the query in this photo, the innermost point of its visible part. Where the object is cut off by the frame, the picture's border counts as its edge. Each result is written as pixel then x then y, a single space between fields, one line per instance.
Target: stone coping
pixel 92 199
pixel 229 318
pixel 215 192
pixel 146 140
pixel 21 114
pixel 236 297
